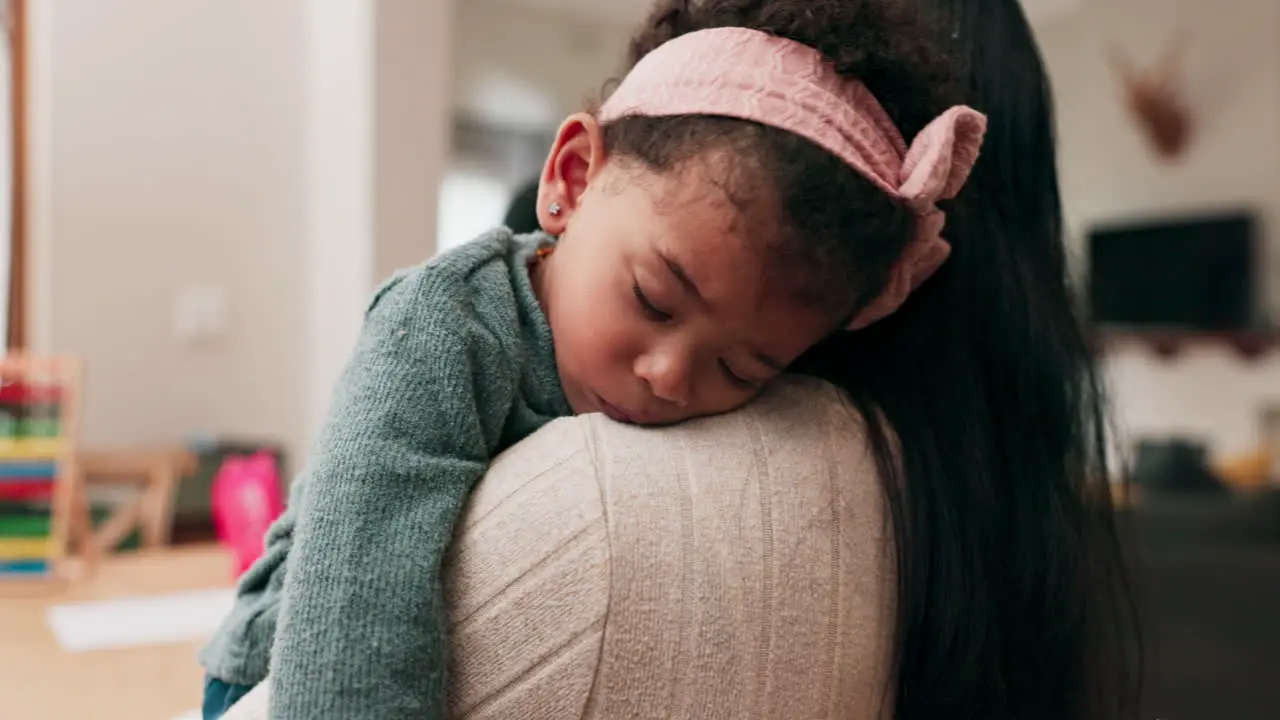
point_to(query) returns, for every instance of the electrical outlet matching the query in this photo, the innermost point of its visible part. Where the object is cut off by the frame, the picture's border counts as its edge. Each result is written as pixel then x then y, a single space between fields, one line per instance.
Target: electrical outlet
pixel 200 314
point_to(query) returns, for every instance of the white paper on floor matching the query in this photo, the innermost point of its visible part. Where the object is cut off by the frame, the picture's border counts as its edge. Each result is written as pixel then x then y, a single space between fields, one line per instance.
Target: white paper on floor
pixel 129 622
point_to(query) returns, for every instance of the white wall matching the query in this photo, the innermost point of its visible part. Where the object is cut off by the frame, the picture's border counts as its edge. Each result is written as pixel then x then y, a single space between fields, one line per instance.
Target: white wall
pixel 234 144
pixel 1232 76
pixel 340 174
pixel 413 61
pixel 177 160
pixel 378 121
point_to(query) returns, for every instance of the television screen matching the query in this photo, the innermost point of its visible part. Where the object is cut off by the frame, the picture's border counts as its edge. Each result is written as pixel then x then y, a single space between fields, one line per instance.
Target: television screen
pixel 1191 273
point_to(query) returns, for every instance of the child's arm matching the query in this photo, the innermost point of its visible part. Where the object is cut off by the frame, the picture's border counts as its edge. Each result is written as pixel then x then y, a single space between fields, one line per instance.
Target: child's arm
pixel 415 417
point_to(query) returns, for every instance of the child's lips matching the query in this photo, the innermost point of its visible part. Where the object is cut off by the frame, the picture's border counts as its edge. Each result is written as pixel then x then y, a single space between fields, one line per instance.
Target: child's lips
pixel 613 412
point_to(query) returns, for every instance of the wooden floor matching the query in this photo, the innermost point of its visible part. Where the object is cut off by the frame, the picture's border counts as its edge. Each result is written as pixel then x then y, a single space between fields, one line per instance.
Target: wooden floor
pixel 40 681
pixel 1213 631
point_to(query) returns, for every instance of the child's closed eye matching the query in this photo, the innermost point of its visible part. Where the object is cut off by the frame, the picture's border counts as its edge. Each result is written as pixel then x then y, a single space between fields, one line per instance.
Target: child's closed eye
pixel 650 310
pixel 738 381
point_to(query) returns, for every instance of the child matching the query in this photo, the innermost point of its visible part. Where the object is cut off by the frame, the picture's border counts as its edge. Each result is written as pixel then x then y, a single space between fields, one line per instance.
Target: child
pixel 739 198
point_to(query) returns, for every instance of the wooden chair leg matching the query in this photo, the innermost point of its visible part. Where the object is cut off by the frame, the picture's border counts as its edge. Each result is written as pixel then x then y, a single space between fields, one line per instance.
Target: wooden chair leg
pixel 168 492
pixel 158 499
pixel 82 533
pixel 117 527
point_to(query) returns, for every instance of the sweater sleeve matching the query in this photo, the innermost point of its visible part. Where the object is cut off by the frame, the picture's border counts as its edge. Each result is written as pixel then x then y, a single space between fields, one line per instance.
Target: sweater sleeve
pixel 415 419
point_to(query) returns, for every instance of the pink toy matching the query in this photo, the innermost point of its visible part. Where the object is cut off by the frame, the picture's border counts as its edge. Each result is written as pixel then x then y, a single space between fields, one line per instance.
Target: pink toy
pixel 246 500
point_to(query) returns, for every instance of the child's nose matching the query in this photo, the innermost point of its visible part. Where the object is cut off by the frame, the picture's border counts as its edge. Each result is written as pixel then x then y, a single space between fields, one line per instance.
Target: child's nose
pixel 668 375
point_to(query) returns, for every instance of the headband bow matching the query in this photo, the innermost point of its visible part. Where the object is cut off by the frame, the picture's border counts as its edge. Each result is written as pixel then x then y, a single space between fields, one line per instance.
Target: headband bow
pixel 747 74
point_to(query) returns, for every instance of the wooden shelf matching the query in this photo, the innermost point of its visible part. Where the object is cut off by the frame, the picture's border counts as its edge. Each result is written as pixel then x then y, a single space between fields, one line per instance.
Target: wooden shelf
pixel 1167 344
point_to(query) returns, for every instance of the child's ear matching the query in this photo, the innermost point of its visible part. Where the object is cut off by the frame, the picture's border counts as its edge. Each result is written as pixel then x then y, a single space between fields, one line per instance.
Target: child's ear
pixel 576 157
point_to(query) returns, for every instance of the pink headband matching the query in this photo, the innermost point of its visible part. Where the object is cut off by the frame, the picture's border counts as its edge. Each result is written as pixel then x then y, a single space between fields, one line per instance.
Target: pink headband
pixel 747 74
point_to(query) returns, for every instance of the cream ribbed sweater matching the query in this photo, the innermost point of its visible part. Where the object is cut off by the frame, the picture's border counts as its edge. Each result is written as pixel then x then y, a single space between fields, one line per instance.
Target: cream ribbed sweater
pixel 736 567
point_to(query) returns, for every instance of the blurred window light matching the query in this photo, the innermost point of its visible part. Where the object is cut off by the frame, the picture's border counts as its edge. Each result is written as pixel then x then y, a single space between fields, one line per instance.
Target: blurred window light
pixel 471 202
pixel 502 99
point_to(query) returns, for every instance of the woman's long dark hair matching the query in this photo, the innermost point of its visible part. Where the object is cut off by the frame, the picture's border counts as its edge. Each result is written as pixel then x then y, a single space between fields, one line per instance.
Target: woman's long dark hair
pixel 980 394
pixel 1015 601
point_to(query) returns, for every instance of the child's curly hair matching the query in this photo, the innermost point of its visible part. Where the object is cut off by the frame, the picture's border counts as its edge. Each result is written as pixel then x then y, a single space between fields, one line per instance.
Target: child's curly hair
pixel 833 234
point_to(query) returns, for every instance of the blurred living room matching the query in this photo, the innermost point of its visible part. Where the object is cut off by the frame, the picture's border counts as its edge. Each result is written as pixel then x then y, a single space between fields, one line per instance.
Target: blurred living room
pixel 205 193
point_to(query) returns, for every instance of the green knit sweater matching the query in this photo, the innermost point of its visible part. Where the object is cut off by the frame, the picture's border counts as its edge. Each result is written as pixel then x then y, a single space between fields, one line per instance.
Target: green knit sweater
pixel 454 364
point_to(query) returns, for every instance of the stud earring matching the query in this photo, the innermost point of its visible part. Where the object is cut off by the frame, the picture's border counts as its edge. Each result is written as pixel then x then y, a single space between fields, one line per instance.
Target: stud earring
pixel 554 209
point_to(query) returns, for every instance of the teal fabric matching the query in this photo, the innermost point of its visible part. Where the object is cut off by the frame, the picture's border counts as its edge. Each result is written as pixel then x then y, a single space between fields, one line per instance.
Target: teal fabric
pixel 454 364
pixel 219 697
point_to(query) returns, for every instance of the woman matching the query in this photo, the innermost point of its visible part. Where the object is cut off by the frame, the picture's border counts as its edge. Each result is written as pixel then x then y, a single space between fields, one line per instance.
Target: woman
pixel 983 416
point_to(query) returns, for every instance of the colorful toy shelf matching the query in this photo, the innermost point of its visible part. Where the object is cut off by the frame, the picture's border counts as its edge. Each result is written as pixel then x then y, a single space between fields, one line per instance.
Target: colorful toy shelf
pixel 38 417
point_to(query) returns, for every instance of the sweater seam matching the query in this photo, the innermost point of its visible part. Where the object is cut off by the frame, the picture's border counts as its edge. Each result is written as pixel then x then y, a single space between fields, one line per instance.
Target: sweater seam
pixel 592 437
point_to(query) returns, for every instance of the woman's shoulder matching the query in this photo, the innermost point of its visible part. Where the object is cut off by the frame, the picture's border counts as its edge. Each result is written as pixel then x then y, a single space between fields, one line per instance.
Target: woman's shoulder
pixel 795 422
pixel 528 581
pixel 760 533
pixel 762 472
pixel 798 421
